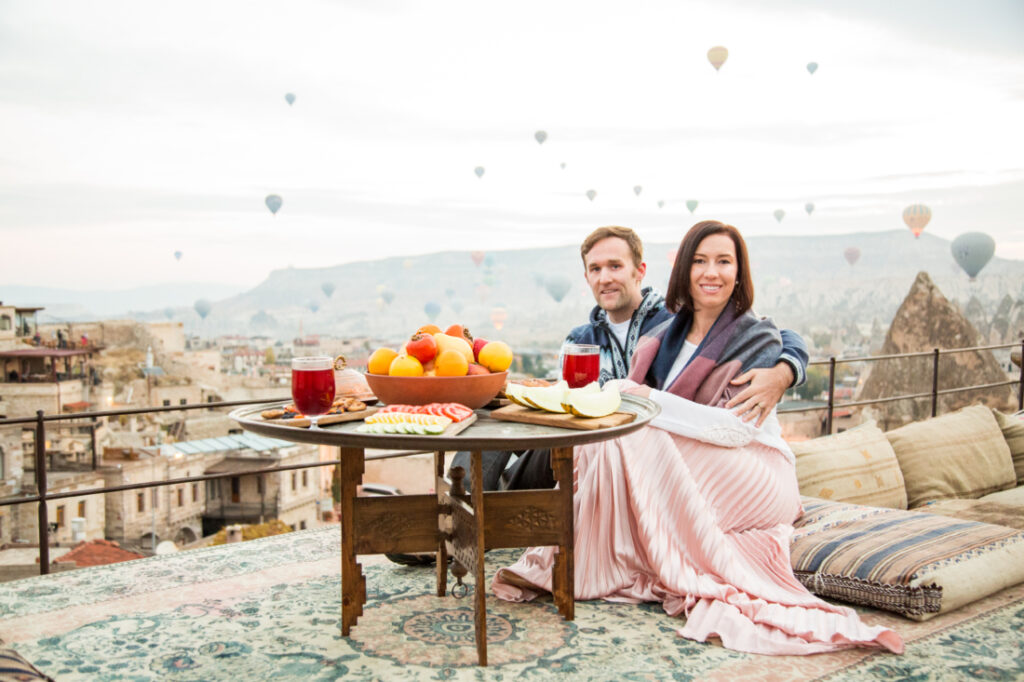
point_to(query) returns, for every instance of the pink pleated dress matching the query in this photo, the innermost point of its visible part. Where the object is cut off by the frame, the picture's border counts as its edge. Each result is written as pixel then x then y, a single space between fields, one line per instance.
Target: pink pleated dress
pixel 704 530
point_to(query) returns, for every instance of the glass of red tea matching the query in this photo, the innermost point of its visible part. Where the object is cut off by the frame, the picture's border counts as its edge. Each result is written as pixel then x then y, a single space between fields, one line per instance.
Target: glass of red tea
pixel 581 364
pixel 313 386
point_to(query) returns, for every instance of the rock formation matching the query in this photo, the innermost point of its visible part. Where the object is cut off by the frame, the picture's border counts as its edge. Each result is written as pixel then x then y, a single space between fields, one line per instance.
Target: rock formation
pixel 926 320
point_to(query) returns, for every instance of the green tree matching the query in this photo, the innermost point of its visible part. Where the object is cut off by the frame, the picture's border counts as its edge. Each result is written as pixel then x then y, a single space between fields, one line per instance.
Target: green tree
pixel 817 381
pixel 268 356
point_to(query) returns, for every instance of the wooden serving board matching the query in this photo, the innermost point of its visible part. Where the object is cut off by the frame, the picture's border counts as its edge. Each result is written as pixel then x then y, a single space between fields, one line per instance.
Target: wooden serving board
pixel 525 415
pixel 326 419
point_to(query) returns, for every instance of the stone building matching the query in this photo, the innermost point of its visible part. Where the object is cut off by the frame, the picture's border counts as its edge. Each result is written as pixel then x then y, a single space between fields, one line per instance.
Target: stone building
pixel 135 517
pixel 20 523
pixel 291 496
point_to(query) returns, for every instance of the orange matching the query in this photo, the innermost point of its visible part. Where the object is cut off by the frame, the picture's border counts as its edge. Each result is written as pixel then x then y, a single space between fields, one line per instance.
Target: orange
pixel 451 363
pixel 429 329
pixel 380 361
pixel 496 356
pixel 405 366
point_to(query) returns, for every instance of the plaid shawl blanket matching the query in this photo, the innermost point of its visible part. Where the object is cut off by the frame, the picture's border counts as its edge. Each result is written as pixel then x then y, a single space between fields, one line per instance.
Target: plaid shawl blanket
pixel 735 344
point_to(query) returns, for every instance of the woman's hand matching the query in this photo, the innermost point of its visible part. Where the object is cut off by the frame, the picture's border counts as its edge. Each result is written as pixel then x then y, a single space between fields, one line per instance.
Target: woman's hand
pixel 629 386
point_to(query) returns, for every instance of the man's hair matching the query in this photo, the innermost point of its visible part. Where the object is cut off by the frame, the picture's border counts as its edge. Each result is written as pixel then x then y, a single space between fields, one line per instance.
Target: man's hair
pixel 679 296
pixel 636 247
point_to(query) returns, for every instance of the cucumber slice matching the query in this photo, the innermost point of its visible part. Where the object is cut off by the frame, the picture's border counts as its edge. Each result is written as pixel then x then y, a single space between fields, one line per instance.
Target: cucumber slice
pixel 433 429
pixel 419 429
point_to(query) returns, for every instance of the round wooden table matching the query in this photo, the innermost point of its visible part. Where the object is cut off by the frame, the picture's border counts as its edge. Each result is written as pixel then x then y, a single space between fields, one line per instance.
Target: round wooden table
pixel 452 522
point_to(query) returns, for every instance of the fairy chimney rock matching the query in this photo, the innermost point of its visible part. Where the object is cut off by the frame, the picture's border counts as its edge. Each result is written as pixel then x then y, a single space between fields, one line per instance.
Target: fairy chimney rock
pixel 926 320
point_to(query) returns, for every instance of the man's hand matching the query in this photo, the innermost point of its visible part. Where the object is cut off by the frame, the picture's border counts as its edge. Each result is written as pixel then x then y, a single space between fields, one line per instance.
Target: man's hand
pixel 767 386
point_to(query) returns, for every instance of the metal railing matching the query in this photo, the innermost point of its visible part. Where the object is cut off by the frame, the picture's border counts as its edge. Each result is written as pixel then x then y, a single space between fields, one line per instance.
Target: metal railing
pixel 40 420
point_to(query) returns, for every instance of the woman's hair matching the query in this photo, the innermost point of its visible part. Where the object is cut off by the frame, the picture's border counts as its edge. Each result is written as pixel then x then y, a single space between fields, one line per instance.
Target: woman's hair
pixel 679 297
pixel 636 247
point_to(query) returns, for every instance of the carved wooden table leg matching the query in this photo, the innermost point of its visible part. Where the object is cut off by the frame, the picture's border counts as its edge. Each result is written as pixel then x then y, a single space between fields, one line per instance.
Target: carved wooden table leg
pixel 353 583
pixel 444 516
pixel 563 576
pixel 479 587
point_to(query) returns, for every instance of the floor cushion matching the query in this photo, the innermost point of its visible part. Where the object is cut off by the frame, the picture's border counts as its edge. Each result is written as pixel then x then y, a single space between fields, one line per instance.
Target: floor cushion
pixel 958 455
pixel 857 465
pixel 1012 426
pixel 1011 496
pixel 983 510
pixel 908 562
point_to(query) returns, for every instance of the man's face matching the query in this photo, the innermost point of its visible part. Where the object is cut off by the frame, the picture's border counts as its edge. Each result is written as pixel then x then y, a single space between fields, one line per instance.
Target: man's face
pixel 614 279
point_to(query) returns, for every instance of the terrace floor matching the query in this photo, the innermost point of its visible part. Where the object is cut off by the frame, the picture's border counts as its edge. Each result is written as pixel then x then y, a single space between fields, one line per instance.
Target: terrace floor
pixel 270 609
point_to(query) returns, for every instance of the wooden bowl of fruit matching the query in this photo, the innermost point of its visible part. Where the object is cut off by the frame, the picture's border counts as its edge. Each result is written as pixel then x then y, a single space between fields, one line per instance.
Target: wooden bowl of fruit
pixel 473 391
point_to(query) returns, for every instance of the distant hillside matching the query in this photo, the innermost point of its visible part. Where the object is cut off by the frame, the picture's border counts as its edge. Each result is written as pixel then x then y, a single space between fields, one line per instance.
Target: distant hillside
pixel 81 304
pixel 803 282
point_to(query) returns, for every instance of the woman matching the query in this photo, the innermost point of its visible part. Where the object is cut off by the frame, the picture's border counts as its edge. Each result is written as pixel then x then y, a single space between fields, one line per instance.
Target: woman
pixel 695 510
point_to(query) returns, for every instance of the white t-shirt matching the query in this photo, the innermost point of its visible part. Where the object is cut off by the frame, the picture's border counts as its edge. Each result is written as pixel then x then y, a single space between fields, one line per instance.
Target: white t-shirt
pixel 620 329
pixel 684 357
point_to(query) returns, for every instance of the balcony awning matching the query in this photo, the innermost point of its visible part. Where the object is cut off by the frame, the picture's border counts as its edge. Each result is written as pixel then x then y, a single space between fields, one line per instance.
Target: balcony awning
pixel 232 466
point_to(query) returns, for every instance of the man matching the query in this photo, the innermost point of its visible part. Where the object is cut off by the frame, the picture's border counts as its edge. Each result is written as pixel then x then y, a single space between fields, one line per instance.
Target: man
pixel 614 268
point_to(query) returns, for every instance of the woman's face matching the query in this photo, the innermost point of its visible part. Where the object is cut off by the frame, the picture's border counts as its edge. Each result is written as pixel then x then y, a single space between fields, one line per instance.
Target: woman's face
pixel 713 274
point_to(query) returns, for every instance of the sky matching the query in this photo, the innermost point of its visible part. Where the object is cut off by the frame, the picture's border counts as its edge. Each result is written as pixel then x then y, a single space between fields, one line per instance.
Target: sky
pixel 137 129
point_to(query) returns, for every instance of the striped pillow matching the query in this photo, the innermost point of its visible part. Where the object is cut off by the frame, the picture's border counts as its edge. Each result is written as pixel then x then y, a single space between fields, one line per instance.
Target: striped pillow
pixel 912 563
pixel 857 465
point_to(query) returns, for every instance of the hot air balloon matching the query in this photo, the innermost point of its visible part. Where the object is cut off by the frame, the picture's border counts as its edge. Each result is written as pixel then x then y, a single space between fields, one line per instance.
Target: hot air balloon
pixel 388 296
pixel 489 262
pixel 273 202
pixel 809 207
pixel 290 98
pixel 591 194
pixel 562 165
pixel 779 214
pixel 327 288
pixel 498 317
pixel 717 56
pixel 408 263
pixel 661 203
pixel 477 256
pixel 203 307
pixel 558 286
pixel 812 67
pixel 972 250
pixel 540 136
pixel 489 280
pixel 637 189
pixel 432 310
pixel 450 293
pixel 178 255
pixel 691 205
pixel 313 306
pixel 851 254
pixel 457 307
pixel 479 170
pixel 916 216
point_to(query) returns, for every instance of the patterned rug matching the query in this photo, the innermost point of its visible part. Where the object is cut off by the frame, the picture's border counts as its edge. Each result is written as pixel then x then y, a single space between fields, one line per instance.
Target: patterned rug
pixel 269 609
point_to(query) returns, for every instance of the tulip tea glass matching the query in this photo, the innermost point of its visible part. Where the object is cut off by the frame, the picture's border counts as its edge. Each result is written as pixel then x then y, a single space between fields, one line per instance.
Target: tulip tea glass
pixel 581 364
pixel 313 386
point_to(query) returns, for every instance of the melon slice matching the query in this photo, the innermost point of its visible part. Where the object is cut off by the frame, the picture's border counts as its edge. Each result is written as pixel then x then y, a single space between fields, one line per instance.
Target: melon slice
pixel 547 398
pixel 514 392
pixel 590 404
